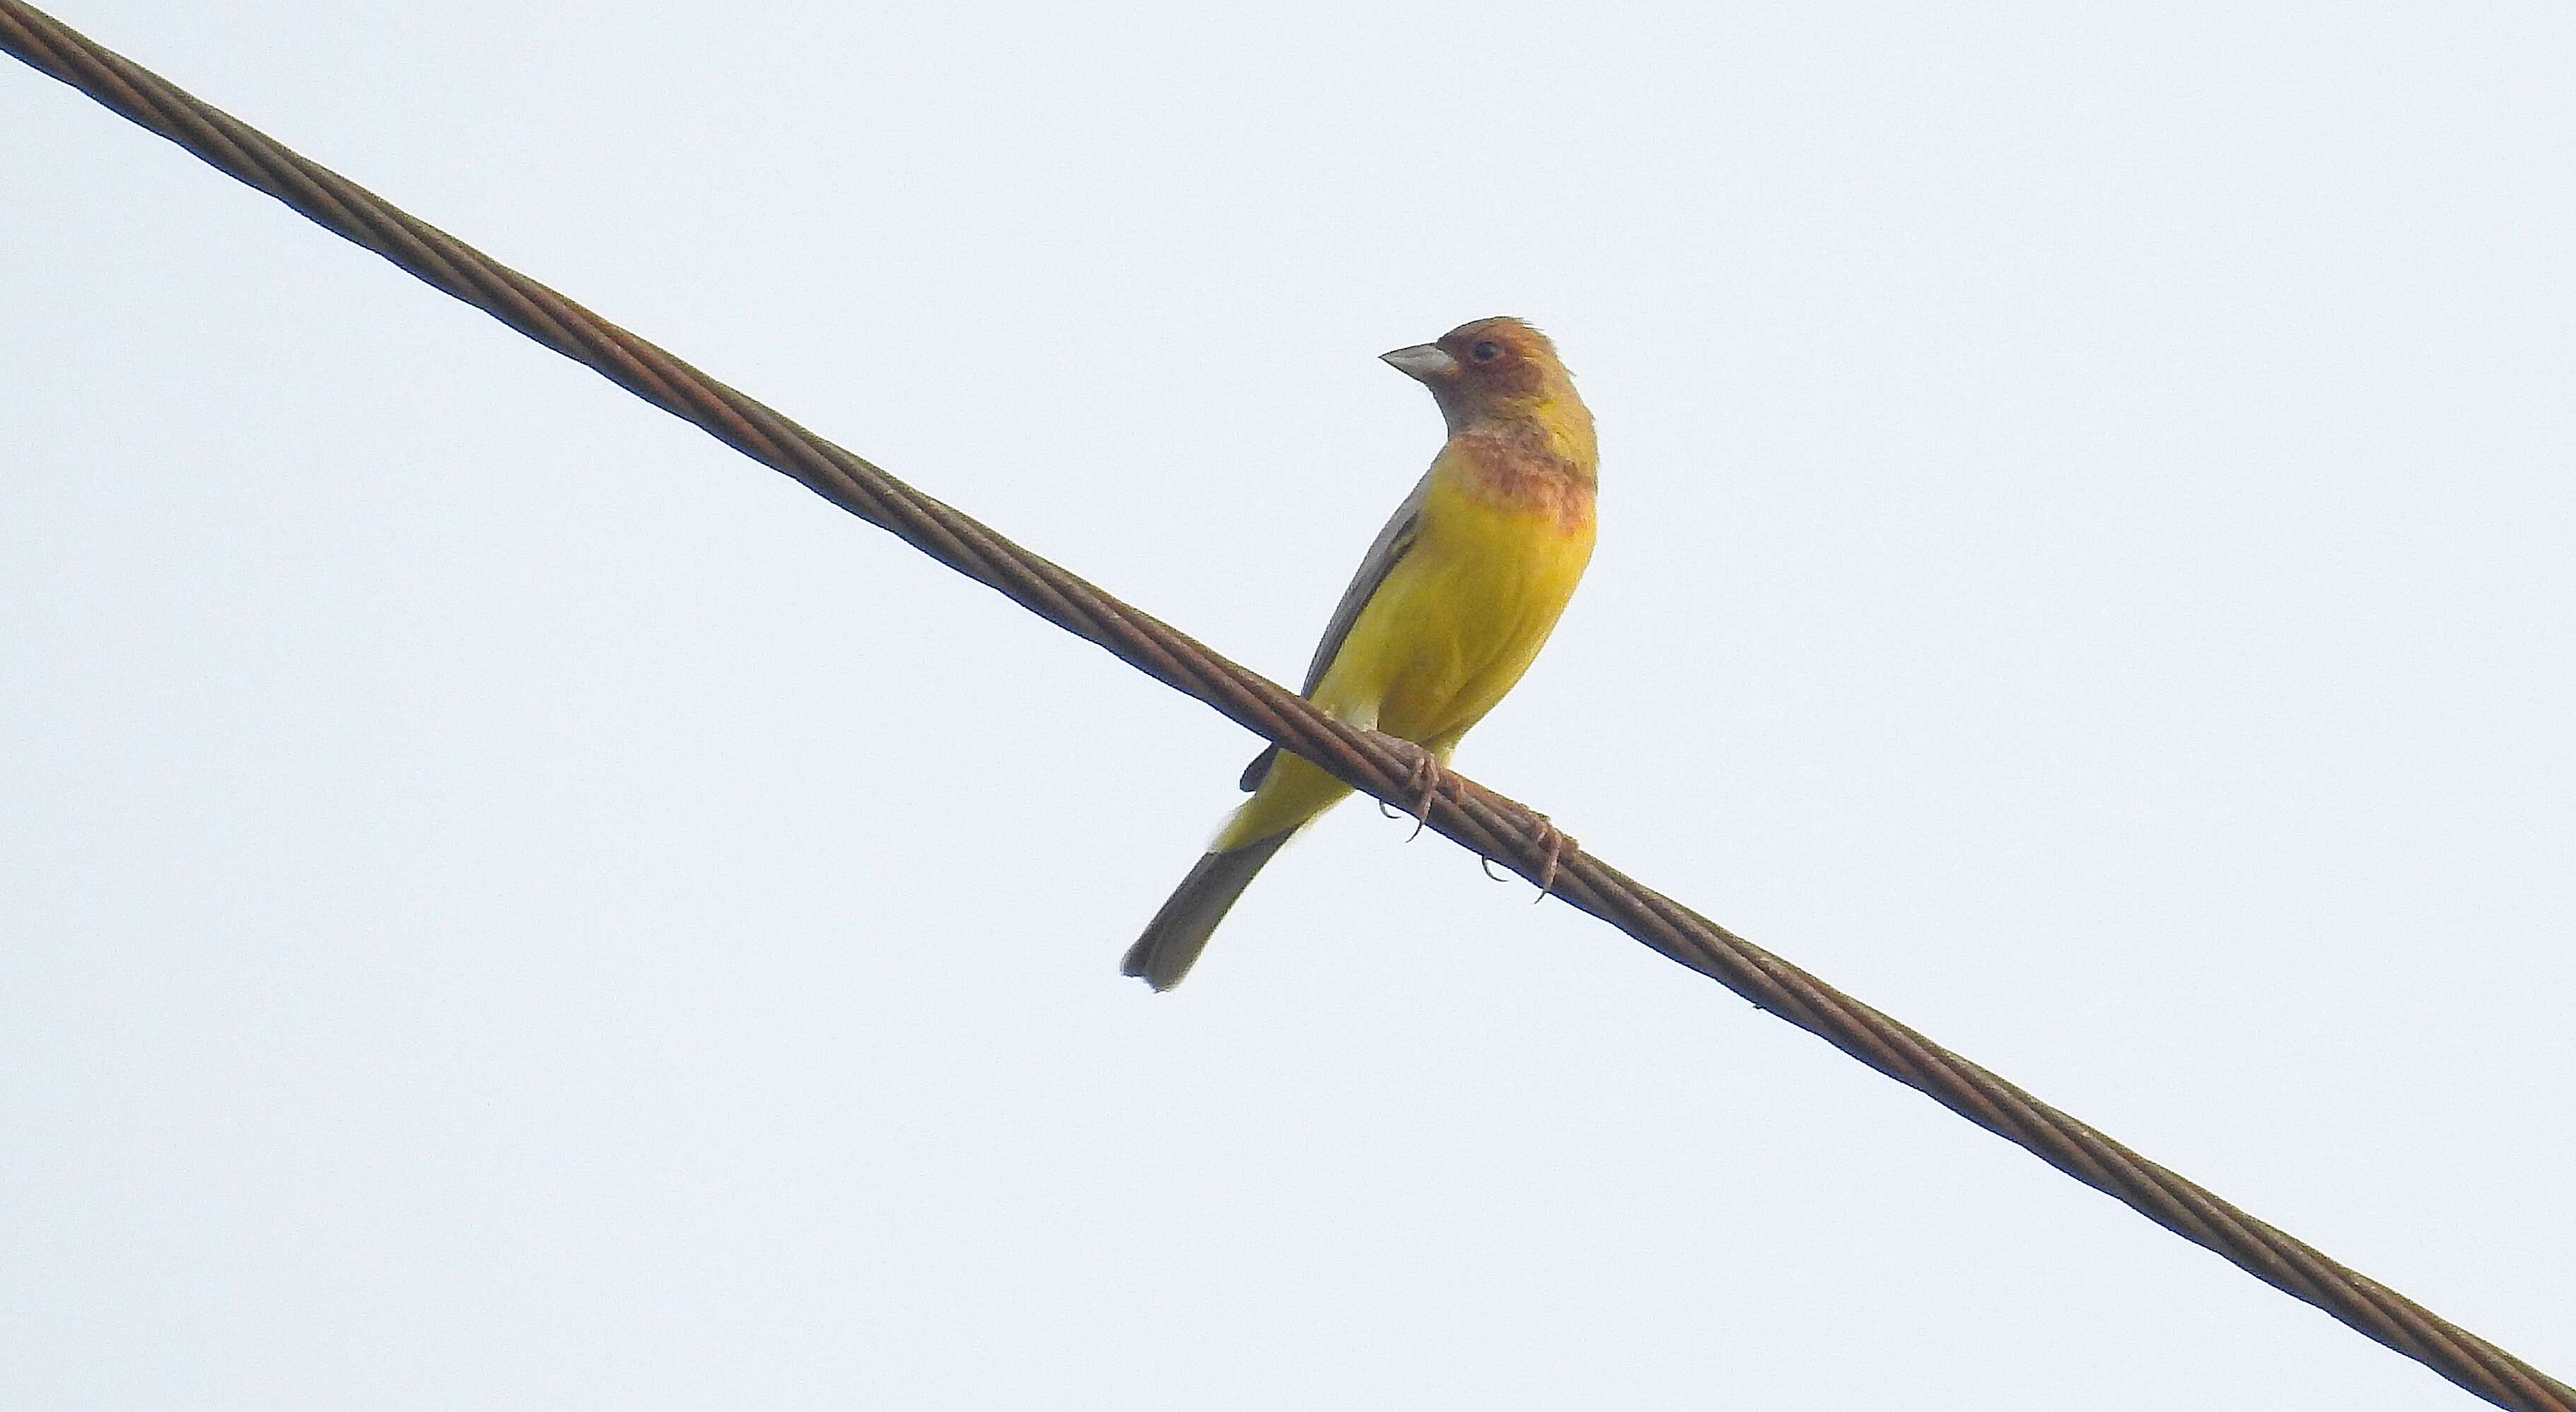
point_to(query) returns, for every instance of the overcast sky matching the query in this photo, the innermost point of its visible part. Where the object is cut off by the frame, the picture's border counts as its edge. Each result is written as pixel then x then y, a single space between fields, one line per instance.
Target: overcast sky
pixel 504 903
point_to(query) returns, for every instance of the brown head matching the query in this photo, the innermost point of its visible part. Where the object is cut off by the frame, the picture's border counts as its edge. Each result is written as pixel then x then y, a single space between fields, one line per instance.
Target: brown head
pixel 1497 372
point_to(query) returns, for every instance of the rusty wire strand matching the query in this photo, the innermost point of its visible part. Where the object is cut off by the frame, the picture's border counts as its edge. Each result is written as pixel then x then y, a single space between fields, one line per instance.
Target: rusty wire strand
pixel 1490 825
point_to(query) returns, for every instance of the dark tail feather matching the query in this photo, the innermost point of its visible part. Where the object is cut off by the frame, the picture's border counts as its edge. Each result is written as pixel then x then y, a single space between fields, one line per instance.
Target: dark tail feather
pixel 1180 931
pixel 1260 767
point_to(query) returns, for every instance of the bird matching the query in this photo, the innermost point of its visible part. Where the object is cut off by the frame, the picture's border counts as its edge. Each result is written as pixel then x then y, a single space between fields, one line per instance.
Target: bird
pixel 1449 607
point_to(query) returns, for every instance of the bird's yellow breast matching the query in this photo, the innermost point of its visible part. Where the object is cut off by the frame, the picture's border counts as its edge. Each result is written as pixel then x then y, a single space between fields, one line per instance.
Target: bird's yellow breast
pixel 1461 617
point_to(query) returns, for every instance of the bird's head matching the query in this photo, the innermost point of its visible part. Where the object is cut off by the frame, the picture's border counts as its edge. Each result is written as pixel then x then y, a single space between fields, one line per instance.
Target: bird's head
pixel 1496 370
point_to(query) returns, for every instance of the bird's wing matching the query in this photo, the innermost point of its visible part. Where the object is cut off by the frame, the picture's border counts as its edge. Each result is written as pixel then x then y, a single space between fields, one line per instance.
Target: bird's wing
pixel 1383 554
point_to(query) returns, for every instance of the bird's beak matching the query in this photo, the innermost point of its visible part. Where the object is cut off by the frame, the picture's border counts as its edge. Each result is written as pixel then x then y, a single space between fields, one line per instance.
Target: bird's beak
pixel 1423 362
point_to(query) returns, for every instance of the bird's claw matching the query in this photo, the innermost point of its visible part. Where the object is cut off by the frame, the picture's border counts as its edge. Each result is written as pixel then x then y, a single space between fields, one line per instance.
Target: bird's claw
pixel 1423 775
pixel 1553 845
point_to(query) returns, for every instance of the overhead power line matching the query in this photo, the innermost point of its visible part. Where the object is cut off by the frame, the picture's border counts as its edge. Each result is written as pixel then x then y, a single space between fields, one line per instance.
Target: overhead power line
pixel 1492 826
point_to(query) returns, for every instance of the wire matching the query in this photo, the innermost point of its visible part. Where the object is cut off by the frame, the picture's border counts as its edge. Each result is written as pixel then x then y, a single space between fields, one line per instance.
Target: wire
pixel 1492 826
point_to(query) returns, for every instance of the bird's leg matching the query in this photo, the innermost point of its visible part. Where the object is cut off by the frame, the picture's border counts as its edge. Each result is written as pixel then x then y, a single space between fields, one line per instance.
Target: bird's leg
pixel 1423 775
pixel 1553 845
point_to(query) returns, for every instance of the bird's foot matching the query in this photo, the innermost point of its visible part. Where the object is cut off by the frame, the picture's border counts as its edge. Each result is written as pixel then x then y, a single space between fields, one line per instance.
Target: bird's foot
pixel 1423 777
pixel 1553 844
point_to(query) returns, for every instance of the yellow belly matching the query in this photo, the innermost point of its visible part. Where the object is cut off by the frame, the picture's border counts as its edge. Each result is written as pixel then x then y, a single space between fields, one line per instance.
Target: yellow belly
pixel 1452 628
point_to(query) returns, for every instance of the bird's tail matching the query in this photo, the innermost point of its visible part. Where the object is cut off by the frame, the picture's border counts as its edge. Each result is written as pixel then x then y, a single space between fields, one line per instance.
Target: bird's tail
pixel 1180 931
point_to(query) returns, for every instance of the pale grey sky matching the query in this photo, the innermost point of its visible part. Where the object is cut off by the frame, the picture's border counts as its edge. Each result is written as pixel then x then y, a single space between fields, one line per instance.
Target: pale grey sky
pixel 506 904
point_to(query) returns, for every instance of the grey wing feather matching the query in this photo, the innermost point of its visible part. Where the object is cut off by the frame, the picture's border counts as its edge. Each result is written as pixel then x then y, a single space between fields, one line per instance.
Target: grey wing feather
pixel 1383 554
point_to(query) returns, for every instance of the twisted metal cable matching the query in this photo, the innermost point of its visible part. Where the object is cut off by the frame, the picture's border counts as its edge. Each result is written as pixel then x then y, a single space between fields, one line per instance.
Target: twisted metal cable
pixel 1494 827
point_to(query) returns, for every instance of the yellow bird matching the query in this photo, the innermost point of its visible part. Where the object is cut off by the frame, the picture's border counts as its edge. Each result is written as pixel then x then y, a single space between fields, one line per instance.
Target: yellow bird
pixel 1448 609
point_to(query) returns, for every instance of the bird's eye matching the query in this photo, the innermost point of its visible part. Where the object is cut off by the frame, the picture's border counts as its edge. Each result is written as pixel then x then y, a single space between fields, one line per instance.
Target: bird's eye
pixel 1485 351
